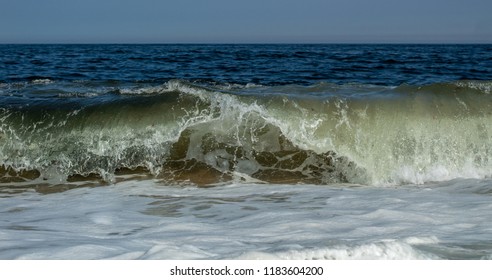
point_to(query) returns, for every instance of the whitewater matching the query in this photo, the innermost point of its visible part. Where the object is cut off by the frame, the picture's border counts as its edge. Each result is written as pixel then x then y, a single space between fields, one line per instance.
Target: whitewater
pixel 245 152
pixel 148 220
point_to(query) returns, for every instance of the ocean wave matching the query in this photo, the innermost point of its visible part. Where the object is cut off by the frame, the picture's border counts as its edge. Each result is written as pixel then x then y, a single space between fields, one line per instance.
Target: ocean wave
pixel 42 81
pixel 478 86
pixel 205 134
pixel 385 250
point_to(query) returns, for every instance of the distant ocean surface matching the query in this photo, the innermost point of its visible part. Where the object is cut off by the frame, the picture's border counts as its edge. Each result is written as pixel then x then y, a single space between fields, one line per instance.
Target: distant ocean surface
pixel 245 151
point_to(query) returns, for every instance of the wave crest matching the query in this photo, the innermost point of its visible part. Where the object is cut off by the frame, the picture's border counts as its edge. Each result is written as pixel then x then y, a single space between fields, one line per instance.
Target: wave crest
pixel 320 134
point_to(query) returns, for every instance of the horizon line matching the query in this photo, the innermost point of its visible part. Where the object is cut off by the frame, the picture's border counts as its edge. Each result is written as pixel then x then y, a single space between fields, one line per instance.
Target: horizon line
pixel 249 43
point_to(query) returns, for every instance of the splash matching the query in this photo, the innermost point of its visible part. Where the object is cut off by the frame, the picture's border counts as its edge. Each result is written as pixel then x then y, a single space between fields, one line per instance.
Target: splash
pixel 206 134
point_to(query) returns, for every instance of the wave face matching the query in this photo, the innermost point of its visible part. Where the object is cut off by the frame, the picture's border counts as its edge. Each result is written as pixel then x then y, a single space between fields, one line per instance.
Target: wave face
pixel 181 131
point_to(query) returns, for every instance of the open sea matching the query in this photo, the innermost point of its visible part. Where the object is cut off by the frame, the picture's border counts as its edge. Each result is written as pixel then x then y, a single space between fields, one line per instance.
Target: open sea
pixel 246 152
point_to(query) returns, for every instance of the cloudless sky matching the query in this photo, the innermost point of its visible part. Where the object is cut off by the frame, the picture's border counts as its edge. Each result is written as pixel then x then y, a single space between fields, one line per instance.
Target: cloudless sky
pixel 245 21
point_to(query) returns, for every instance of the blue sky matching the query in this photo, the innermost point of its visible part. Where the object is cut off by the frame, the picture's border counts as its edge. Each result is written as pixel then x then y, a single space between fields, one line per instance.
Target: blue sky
pixel 245 21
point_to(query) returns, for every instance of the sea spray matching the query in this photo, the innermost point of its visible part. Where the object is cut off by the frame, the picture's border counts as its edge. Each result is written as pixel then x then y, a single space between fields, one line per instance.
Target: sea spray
pixel 313 134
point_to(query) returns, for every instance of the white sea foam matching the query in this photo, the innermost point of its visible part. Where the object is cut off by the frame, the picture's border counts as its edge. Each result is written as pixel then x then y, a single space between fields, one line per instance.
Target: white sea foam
pixel 143 90
pixel 145 220
pixel 42 81
pixel 170 86
pixel 386 250
pixel 437 173
pixel 482 86
pixel 78 94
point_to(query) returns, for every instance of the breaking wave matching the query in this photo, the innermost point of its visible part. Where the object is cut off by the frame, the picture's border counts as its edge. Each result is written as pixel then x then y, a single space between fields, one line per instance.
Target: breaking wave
pixel 206 134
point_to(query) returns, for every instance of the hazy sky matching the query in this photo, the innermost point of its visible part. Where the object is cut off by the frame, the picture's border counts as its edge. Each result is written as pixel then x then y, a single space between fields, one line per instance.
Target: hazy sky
pixel 245 21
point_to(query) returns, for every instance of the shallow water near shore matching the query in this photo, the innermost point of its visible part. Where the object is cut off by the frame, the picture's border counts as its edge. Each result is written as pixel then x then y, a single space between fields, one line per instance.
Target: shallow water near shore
pixel 147 220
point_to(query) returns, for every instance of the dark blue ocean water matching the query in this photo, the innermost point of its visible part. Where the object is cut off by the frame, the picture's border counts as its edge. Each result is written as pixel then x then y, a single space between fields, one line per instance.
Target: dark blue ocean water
pixel 259 64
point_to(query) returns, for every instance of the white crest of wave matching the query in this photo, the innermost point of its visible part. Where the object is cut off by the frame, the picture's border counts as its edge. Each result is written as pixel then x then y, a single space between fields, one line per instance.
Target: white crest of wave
pixel 42 81
pixel 482 86
pixel 413 139
pixel 386 250
pixel 170 86
pixel 435 173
